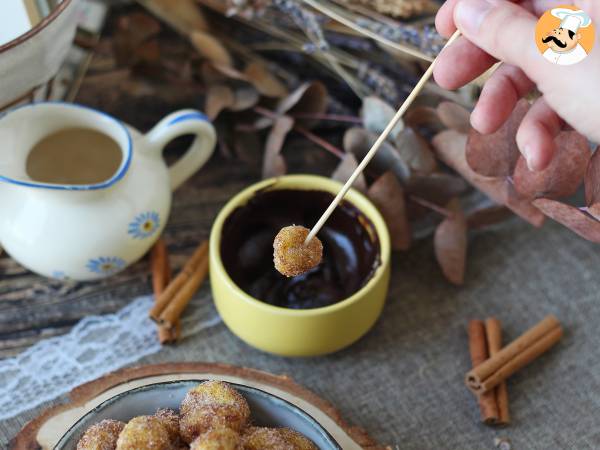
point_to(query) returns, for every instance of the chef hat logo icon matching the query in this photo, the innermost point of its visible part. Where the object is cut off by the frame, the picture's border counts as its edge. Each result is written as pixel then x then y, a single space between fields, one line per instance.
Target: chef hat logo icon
pixel 565 35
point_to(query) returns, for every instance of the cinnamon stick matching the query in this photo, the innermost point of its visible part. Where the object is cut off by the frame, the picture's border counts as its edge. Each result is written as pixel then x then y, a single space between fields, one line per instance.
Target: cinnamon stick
pixel 493 332
pixel 181 299
pixel 160 267
pixel 514 356
pixel 163 300
pixel 161 276
pixel 479 353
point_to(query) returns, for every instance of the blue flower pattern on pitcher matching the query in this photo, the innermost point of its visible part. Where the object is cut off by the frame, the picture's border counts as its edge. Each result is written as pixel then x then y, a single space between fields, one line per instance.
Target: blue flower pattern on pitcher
pixel 106 265
pixel 144 225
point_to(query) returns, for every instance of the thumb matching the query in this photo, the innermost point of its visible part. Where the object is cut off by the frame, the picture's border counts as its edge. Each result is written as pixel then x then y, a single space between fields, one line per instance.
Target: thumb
pixel 502 29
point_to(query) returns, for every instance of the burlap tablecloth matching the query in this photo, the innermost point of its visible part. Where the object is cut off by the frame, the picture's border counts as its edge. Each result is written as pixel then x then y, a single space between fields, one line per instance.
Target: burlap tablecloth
pixel 403 381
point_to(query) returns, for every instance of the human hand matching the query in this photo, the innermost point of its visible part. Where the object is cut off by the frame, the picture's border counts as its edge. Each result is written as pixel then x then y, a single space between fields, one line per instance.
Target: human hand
pixel 497 30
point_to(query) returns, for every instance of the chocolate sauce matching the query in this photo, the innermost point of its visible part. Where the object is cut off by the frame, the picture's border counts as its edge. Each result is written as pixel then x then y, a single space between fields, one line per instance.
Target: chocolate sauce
pixel 350 249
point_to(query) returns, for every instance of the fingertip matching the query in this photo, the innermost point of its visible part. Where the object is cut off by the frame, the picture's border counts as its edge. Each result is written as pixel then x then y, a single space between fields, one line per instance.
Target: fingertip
pixel 539 155
pixel 480 123
pixel 450 75
pixel 536 145
pixel 442 76
pixel 444 21
pixel 536 134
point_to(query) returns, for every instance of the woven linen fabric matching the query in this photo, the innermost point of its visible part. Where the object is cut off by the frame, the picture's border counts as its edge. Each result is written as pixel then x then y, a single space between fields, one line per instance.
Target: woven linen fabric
pixel 403 381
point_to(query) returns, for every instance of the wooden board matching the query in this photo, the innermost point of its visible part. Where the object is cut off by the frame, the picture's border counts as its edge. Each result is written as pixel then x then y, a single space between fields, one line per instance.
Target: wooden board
pixel 44 431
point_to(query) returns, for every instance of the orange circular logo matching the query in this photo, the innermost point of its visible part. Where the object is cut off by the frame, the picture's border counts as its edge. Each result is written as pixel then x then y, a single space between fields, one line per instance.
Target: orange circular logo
pixel 565 35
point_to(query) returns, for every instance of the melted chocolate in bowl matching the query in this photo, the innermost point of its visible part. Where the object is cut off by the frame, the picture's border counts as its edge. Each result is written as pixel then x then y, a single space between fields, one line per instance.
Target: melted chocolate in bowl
pixel 350 249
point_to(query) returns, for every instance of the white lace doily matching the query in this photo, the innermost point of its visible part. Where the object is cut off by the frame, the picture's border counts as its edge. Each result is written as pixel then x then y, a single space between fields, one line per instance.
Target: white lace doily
pixel 95 346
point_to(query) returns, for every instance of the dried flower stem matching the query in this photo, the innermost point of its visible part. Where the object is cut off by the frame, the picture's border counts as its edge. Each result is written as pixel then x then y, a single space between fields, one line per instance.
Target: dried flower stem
pixel 328 11
pixel 429 205
pixel 330 117
pixel 303 131
pixel 320 141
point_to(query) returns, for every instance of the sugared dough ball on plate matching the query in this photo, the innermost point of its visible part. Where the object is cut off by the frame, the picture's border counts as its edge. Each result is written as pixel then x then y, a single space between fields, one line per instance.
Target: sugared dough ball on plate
pixel 144 432
pixel 298 440
pixel 221 438
pixel 261 438
pixel 170 420
pixel 209 405
pixel 101 436
pixel 291 256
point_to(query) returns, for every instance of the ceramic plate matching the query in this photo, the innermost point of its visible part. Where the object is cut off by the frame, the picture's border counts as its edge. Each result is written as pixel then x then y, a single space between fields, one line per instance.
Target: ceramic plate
pixel 267 410
pixel 275 400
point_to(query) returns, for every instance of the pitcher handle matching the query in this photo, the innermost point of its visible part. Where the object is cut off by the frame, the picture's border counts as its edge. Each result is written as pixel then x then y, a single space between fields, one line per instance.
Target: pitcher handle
pixel 179 123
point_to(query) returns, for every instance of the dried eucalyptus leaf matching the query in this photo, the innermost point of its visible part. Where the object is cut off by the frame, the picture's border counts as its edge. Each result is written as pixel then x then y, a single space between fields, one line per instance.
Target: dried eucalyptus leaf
pixel 273 163
pixel 415 151
pixel 564 174
pixel 218 98
pixel 210 75
pixel 387 194
pixel 245 97
pixel 308 98
pixel 484 217
pixel 454 116
pixel 450 148
pixel 438 188
pixel 133 31
pixel 229 72
pixel 359 141
pixel 345 168
pixel 210 48
pixel 571 217
pixel 496 155
pixel 377 114
pixel 450 244
pixel 423 116
pixel 592 182
pixel 266 83
pixel 183 15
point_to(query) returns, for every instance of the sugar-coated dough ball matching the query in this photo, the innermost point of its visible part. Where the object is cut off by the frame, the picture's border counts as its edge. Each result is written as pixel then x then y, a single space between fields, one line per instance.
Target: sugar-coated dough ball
pixel 170 420
pixel 209 405
pixel 144 432
pixel 262 438
pixel 291 256
pixel 101 436
pixel 297 439
pixel 221 438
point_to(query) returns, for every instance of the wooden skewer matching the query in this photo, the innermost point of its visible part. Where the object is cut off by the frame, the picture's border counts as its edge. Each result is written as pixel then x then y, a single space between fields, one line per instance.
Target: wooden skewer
pixel 380 140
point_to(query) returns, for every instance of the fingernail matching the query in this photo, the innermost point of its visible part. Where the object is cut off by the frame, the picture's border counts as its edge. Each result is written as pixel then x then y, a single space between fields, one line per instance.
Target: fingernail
pixel 469 14
pixel 532 163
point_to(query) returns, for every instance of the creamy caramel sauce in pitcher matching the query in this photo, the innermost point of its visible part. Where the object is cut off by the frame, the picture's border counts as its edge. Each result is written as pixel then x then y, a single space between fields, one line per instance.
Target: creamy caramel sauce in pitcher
pixel 75 156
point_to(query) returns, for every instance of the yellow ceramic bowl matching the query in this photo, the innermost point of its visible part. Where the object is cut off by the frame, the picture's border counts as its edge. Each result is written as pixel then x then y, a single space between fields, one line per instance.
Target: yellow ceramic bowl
pixel 292 332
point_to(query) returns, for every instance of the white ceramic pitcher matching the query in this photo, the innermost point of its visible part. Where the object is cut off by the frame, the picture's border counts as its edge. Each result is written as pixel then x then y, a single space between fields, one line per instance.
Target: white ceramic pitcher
pixel 90 231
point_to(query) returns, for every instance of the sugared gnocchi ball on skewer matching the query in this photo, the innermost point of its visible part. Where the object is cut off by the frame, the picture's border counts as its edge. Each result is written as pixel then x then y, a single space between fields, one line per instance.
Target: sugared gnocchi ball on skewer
pixel 144 432
pixel 292 257
pixel 101 436
pixel 209 405
pixel 220 438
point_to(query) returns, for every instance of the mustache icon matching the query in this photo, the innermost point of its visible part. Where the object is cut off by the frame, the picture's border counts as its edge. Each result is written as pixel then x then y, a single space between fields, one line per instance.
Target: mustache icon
pixel 558 42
